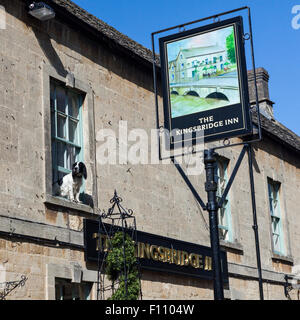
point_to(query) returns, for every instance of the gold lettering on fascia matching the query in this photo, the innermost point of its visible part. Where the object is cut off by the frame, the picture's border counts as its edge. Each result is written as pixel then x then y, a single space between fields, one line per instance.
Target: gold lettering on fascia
pixel 160 253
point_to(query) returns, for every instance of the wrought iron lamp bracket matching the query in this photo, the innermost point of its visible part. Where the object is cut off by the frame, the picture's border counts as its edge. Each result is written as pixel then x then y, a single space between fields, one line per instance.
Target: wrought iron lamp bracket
pixel 9 286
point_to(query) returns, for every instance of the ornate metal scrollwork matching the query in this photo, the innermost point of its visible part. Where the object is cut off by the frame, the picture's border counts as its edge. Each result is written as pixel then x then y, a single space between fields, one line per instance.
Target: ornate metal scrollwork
pixel 12 285
pixel 116 202
pixel 288 287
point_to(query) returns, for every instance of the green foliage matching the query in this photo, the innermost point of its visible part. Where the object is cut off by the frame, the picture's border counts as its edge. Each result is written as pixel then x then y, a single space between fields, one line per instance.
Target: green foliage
pixel 115 267
pixel 230 44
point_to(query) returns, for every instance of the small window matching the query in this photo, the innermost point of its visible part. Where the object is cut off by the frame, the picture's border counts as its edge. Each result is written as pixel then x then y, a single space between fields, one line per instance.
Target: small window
pixel 277 236
pixel 66 129
pixel 66 290
pixel 221 58
pixel 224 216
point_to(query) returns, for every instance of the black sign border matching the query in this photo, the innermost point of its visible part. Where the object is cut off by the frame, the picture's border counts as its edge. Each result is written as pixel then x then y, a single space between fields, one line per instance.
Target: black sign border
pixel 242 69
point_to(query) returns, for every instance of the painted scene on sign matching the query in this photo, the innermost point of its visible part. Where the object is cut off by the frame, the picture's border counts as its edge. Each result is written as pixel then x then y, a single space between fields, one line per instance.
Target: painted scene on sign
pixel 203 72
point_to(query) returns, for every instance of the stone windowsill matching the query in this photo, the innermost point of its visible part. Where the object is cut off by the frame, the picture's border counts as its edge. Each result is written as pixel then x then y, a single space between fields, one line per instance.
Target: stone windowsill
pixel 236 246
pixel 60 202
pixel 283 259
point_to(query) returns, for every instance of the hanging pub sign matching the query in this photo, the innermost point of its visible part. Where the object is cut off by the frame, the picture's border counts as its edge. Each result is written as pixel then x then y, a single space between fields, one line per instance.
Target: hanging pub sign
pixel 155 252
pixel 204 79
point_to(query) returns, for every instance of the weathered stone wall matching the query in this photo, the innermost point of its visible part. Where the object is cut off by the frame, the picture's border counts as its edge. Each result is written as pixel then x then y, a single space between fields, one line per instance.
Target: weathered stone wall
pixel 30 259
pixel 121 90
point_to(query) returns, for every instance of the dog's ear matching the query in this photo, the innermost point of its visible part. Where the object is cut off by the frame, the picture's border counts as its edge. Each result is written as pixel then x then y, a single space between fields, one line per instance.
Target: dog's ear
pixel 84 172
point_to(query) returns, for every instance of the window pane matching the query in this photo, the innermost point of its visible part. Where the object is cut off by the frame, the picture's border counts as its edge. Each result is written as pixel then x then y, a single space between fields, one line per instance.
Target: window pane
pixel 61 99
pixel 53 133
pixel 224 212
pixel 276 208
pixel 75 292
pixel 274 198
pixel 223 234
pixel 61 149
pixel 72 156
pixel 52 97
pixel 87 291
pixel 60 175
pixel 73 104
pixel 54 161
pixel 275 225
pixel 276 242
pixel 73 132
pixel 61 126
pixel 58 292
pixel 222 217
pixel 66 290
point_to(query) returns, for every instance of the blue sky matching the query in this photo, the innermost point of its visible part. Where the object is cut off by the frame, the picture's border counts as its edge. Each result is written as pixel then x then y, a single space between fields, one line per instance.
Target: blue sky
pixel 276 42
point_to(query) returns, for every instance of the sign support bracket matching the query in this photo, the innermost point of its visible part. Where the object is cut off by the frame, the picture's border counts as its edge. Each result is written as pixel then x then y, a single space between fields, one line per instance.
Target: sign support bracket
pixel 210 160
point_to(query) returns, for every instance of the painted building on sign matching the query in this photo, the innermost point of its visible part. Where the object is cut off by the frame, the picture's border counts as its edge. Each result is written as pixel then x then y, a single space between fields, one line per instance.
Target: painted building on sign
pixel 68 86
pixel 197 63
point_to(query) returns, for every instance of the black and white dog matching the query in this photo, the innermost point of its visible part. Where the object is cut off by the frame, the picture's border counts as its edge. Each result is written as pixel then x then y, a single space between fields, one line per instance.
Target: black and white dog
pixel 69 186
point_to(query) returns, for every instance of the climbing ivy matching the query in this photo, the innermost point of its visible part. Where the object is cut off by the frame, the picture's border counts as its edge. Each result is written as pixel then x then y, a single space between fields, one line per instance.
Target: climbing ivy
pixel 115 267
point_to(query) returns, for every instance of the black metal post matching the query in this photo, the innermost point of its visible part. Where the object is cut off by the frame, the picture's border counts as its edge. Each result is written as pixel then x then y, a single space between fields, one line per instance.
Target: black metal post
pixel 99 249
pixel 255 227
pixel 124 255
pixel 212 207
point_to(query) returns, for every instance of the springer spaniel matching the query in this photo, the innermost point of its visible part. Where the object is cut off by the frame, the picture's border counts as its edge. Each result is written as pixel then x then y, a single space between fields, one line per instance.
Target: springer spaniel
pixel 69 186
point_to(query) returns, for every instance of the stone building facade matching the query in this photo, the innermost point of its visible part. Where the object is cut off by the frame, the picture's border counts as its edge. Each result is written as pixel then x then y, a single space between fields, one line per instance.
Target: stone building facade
pixel 41 236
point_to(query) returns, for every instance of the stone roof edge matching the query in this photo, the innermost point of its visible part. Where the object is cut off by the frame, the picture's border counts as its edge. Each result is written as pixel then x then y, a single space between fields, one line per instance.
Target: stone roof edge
pixel 105 29
pixel 278 132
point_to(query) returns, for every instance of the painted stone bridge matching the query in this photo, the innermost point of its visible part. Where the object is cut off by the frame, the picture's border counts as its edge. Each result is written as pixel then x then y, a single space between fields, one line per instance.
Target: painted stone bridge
pixel 221 87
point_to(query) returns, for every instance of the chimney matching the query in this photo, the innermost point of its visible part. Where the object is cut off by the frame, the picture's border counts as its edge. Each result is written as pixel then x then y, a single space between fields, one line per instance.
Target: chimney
pixel 262 80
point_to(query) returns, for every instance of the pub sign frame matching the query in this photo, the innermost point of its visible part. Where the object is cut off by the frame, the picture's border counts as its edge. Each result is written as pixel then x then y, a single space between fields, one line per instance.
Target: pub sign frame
pixel 228 119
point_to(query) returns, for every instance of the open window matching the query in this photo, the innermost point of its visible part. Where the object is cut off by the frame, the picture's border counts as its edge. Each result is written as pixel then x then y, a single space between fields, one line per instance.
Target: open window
pixel 66 129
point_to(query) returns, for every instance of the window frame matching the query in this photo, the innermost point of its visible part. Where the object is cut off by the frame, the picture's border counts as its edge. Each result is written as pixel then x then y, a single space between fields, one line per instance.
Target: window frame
pixel 64 271
pixel 55 138
pixel 275 214
pixel 88 111
pixel 82 289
